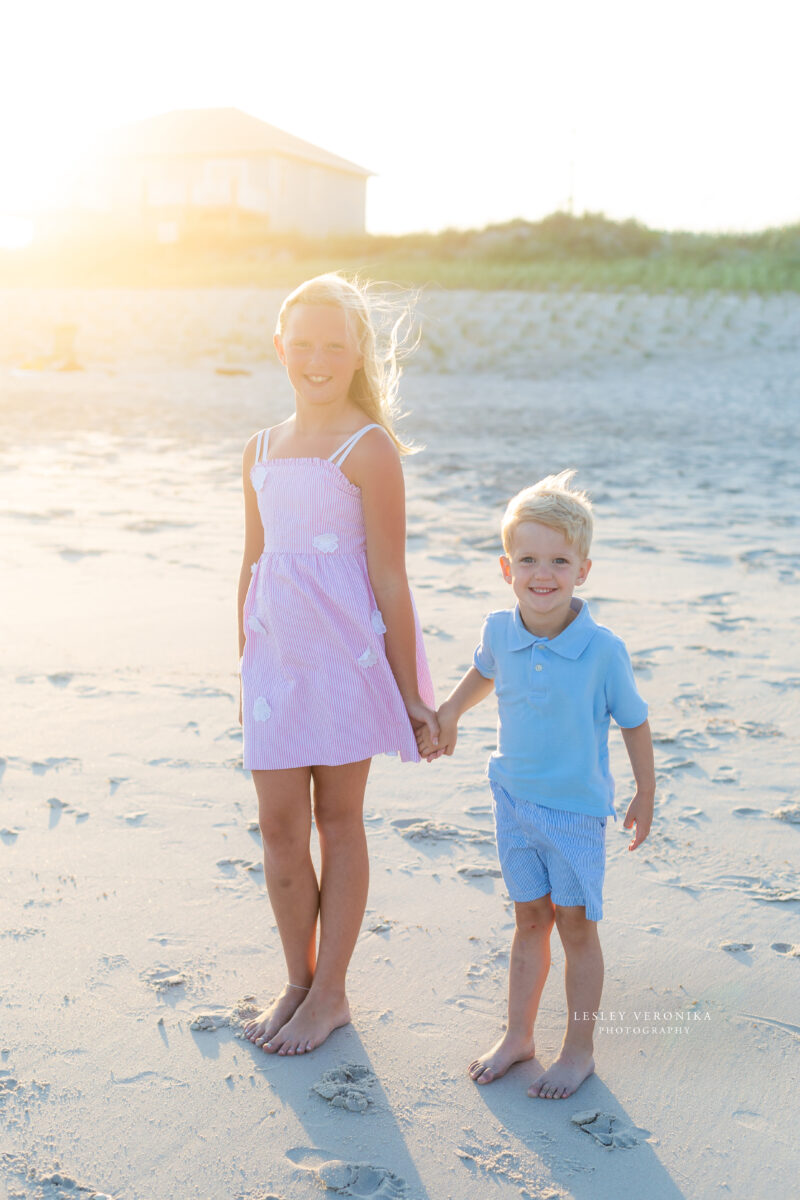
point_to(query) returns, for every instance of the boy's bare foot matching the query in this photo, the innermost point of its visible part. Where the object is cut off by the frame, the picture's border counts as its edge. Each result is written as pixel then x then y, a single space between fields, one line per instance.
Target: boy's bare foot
pixel 563 1077
pixel 495 1062
pixel 268 1022
pixel 317 1017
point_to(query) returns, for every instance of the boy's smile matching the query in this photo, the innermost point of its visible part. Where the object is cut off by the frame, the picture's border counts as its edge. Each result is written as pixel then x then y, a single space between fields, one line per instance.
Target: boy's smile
pixel 544 569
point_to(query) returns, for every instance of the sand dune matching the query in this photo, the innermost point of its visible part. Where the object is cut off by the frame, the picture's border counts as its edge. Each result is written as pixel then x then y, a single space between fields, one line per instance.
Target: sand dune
pixel 513 333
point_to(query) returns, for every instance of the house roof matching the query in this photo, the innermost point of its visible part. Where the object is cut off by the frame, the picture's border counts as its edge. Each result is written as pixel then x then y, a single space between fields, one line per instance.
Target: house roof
pixel 217 133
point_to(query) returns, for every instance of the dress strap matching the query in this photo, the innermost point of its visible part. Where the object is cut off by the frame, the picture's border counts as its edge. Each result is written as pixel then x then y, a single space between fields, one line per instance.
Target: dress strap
pixel 338 456
pixel 262 446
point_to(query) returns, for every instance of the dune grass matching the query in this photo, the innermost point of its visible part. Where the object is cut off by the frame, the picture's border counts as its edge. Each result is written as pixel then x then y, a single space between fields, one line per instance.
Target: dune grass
pixel 561 252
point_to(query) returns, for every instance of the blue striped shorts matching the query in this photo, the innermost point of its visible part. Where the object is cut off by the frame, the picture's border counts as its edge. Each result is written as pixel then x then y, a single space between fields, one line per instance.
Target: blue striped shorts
pixel 549 850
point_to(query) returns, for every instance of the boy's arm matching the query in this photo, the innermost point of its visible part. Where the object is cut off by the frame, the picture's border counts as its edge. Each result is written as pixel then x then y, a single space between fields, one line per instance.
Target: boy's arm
pixel 473 688
pixel 639 745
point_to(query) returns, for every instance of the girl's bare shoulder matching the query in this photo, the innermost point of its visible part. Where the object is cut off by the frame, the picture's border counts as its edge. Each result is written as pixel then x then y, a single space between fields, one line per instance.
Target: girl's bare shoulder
pixel 373 457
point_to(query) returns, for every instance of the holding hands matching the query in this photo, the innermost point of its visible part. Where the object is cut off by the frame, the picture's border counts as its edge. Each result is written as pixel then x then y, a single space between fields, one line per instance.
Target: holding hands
pixel 431 748
pixel 424 722
pixel 473 688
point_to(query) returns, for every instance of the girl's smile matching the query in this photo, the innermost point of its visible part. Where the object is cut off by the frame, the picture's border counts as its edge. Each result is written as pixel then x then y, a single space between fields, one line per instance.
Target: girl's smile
pixel 319 352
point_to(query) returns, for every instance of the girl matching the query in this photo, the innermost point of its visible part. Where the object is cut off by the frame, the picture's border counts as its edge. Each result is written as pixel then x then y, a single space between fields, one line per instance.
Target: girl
pixel 333 666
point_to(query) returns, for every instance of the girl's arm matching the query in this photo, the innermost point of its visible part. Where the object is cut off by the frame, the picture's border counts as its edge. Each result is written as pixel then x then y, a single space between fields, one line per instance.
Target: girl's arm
pixel 375 468
pixel 253 540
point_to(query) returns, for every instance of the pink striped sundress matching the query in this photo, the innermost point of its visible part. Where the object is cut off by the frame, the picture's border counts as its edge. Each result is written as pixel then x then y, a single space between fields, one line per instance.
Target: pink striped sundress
pixel 317 688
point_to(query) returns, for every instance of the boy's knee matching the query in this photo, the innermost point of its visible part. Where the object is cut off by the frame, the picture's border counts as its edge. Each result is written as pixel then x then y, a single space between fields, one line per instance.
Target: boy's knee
pixel 534 916
pixel 573 923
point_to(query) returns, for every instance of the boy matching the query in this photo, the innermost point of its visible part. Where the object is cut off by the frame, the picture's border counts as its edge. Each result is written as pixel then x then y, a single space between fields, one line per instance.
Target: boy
pixel 558 678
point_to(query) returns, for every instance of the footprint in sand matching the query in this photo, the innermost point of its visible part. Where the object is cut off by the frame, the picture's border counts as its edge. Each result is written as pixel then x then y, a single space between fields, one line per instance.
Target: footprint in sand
pixel 230 864
pixel 480 872
pixel 57 807
pixel 70 554
pixel 378 924
pixel 790 813
pixel 53 764
pixel 414 830
pixel 111 962
pixel 230 1018
pixel 349 1178
pixel 786 949
pixel 148 525
pixel 692 815
pixel 162 979
pixel 60 678
pixel 233 734
pixel 360 1179
pixel 672 765
pixel 481 811
pixel 435 632
pixel 761 729
pixel 735 947
pixel 347 1087
pixel 48 1182
pixel 610 1131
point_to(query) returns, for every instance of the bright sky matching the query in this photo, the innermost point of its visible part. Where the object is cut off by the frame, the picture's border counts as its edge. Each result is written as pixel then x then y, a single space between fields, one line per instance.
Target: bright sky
pixel 683 114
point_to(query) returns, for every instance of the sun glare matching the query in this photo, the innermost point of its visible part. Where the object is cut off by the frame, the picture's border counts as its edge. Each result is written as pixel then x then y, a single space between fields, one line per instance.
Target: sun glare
pixel 15 232
pixel 599 125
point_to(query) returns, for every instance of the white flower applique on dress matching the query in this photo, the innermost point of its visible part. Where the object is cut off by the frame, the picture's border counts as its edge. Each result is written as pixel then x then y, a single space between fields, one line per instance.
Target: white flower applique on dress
pixel 258 473
pixel 377 621
pixel 326 542
pixel 261 710
pixel 368 658
pixel 256 624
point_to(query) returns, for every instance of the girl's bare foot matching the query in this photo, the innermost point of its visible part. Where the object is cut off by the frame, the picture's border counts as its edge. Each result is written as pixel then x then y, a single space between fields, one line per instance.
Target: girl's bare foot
pixel 267 1023
pixel 512 1048
pixel 563 1077
pixel 317 1017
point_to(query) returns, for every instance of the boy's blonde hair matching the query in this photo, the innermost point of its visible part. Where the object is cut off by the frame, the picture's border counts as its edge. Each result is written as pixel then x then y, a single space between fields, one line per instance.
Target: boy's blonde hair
pixel 375 386
pixel 554 503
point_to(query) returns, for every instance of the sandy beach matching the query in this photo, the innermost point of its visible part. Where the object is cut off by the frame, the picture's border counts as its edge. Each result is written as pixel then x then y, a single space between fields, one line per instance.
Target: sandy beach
pixel 135 933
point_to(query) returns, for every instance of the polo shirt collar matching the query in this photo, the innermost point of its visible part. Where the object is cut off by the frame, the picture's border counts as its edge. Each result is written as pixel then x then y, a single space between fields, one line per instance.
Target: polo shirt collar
pixel 571 643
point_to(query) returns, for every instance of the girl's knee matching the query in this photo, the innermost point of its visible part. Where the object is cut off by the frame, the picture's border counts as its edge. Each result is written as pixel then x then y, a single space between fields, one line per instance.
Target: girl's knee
pixel 338 825
pixel 283 837
pixel 337 814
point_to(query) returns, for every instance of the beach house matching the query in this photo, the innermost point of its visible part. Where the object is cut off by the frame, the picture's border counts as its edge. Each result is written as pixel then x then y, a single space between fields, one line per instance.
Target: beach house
pixel 178 170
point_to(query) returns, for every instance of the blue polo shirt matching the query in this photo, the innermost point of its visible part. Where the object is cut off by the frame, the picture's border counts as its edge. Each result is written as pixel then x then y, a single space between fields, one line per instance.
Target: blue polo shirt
pixel 555 698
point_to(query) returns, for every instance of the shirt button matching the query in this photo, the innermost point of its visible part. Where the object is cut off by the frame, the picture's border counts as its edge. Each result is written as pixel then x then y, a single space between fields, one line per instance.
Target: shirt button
pixel 538 666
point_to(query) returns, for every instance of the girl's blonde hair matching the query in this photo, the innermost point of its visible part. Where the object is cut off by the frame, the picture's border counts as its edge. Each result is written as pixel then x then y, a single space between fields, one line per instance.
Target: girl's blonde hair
pixel 382 328
pixel 554 503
